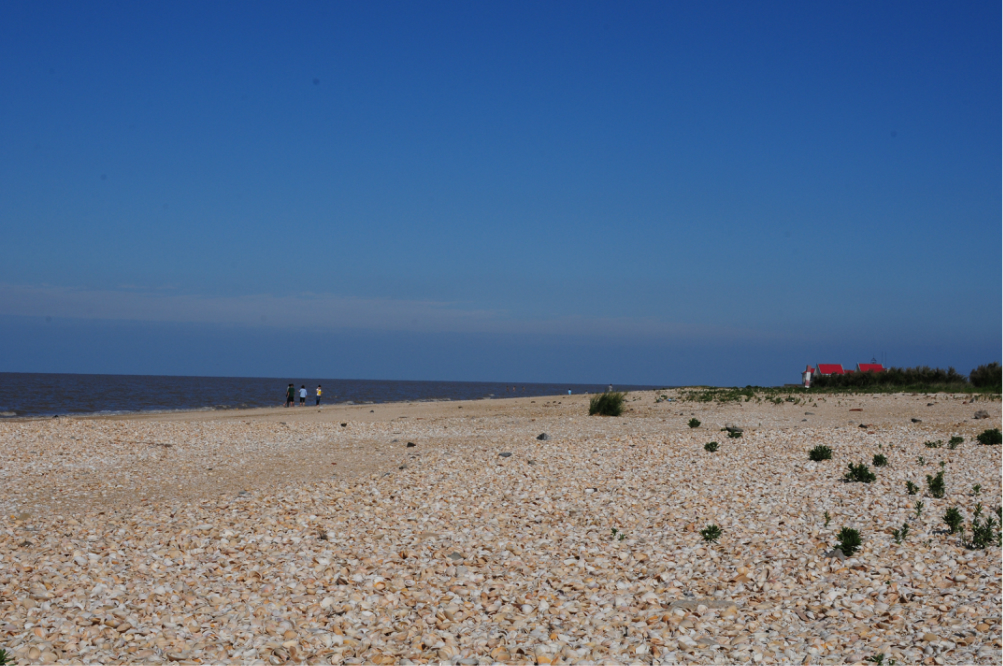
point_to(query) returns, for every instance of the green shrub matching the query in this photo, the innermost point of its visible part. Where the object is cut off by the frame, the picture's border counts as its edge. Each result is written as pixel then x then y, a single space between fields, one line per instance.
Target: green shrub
pixel 976 489
pixel 901 533
pixel 606 404
pixel 880 461
pixel 919 508
pixel 911 487
pixel 954 442
pixel 820 453
pixel 735 434
pixel 933 445
pixel 984 533
pixel 710 447
pixel 849 541
pixel 894 377
pixel 935 484
pixel 989 437
pixel 694 423
pixel 987 376
pixel 711 533
pixel 859 474
pixel 827 518
pixel 954 519
pixel 6 659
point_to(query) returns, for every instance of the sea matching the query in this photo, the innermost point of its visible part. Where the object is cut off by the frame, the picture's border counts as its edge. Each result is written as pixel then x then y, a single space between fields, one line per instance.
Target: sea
pixel 46 395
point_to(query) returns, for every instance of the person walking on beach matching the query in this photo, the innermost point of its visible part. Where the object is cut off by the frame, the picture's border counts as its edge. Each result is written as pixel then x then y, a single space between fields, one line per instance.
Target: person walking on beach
pixel 303 395
pixel 318 395
pixel 290 395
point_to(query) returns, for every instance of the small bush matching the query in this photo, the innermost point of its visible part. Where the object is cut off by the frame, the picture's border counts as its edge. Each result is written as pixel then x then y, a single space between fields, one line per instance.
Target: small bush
pixel 935 484
pixel 711 533
pixel 919 508
pixel 920 461
pixel 985 376
pixel 976 489
pixel 954 442
pixel 735 434
pixel 6 659
pixel 827 518
pixel 880 461
pixel 901 533
pixel 710 447
pixel 954 519
pixel 849 541
pixel 990 437
pixel 606 404
pixel 911 487
pixel 859 474
pixel 933 445
pixel 694 423
pixel 820 453
pixel 984 533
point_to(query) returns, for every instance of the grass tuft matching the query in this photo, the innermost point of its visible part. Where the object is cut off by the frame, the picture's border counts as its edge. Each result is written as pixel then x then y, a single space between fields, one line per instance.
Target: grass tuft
pixel 606 404
pixel 880 461
pixel 710 447
pixel 694 423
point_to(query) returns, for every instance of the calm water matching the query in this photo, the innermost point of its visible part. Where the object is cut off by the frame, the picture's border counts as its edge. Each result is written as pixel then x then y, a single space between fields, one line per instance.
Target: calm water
pixel 36 394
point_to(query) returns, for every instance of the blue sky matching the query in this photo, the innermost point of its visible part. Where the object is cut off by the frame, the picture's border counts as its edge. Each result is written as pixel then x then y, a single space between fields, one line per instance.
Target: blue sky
pixel 656 193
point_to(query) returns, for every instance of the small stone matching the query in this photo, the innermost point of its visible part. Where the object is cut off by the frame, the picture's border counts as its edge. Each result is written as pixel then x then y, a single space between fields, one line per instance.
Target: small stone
pixel 410 445
pixel 916 420
pixel 507 454
pixel 981 414
pixel 930 638
pixel 455 556
pixel 543 437
pixel 835 553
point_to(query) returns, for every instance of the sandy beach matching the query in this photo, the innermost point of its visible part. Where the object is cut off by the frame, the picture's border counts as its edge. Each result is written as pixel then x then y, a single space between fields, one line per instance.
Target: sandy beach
pixel 450 532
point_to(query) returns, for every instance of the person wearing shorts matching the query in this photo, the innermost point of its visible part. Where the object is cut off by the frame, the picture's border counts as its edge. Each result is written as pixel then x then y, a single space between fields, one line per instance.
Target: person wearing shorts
pixel 290 395
pixel 303 395
pixel 318 395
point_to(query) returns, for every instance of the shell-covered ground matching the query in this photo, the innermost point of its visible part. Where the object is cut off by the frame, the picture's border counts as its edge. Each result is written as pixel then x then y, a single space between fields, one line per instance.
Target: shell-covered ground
pixel 482 543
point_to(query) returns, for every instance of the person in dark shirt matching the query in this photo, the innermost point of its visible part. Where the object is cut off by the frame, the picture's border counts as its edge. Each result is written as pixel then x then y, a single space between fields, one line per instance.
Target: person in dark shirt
pixel 290 395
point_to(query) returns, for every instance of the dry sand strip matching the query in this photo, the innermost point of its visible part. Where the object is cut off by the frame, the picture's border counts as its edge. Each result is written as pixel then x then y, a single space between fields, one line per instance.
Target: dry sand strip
pixel 211 537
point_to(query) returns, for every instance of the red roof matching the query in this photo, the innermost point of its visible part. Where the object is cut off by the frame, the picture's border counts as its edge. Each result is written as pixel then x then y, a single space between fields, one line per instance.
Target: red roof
pixel 830 369
pixel 870 367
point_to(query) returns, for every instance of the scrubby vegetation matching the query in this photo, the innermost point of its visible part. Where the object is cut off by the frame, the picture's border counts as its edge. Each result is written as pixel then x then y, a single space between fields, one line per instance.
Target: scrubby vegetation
pixel 606 404
pixel 849 541
pixel 694 423
pixel 879 460
pixel 921 378
pixel 710 447
pixel 990 437
pixel 954 519
pixel 711 533
pixel 911 487
pixel 987 376
pixel 820 453
pixel 859 474
pixel 935 484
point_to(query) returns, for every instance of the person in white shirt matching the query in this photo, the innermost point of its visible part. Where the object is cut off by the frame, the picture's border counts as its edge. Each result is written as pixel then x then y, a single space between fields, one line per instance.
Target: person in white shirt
pixel 303 395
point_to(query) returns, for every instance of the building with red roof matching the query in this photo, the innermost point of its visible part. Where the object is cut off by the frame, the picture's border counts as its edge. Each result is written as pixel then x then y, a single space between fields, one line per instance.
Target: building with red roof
pixel 870 367
pixel 830 369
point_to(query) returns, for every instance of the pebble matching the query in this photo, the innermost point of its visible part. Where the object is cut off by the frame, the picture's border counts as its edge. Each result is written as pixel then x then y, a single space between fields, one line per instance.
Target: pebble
pixel 465 559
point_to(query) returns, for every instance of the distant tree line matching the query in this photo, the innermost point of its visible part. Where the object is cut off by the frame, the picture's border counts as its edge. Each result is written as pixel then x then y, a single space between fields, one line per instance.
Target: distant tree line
pixel 989 376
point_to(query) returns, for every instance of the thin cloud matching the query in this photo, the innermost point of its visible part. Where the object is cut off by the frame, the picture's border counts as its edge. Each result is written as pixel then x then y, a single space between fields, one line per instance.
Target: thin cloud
pixel 326 311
